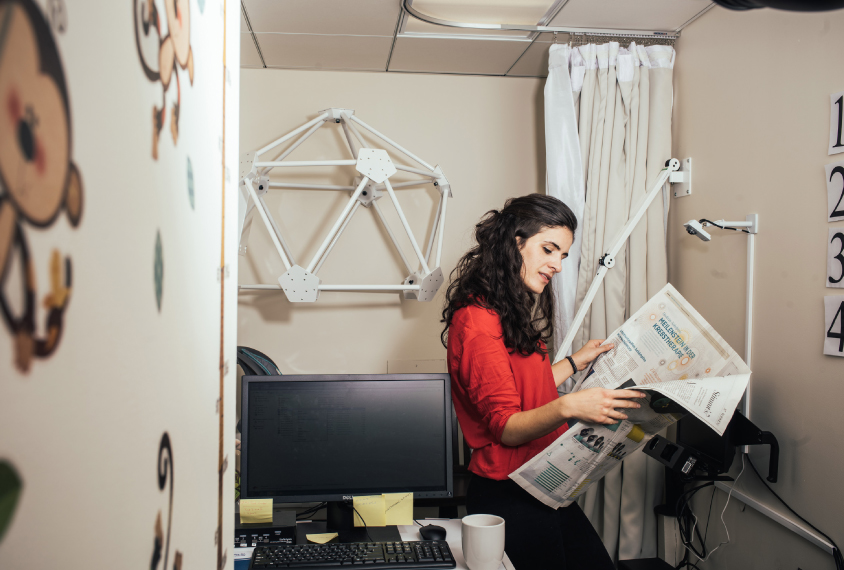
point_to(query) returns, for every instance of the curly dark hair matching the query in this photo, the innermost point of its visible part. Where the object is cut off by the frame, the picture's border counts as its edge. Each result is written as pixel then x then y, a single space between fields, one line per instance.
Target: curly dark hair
pixel 490 274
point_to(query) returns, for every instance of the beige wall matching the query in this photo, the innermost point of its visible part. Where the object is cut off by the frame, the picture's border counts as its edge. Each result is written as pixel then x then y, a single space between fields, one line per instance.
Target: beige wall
pixel 486 134
pixel 752 110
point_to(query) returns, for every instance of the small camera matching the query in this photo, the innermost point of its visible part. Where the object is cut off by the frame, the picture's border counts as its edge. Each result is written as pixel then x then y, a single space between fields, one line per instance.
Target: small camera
pixel 695 228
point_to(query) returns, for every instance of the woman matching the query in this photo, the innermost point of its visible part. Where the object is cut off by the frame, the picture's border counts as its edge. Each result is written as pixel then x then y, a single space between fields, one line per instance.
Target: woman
pixel 498 317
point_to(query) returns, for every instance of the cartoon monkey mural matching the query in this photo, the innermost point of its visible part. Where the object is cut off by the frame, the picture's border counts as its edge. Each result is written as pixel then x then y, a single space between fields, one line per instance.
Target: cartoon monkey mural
pixel 38 179
pixel 162 53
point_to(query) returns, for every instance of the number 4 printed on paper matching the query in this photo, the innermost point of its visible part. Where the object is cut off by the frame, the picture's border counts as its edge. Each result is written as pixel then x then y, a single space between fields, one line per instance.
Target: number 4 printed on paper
pixel 833 342
pixel 836 123
pixel 835 190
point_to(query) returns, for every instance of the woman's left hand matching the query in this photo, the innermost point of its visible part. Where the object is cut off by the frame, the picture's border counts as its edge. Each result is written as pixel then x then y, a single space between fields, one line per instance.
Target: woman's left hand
pixel 590 351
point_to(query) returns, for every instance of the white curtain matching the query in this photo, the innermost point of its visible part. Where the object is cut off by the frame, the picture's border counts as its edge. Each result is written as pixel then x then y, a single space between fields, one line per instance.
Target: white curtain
pixel 564 175
pixel 622 99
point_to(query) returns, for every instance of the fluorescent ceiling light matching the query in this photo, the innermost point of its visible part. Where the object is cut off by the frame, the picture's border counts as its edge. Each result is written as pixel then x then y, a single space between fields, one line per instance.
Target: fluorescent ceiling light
pixel 528 12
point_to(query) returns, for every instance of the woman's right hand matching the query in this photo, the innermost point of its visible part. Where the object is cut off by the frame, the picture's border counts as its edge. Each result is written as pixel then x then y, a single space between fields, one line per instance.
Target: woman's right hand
pixel 599 405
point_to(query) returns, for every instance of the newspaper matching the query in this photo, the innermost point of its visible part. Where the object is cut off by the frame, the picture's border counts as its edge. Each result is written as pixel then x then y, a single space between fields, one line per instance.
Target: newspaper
pixel 669 352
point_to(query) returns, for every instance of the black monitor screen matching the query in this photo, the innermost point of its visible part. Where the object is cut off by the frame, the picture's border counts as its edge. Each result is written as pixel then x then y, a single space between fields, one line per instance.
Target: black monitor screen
pixel 318 438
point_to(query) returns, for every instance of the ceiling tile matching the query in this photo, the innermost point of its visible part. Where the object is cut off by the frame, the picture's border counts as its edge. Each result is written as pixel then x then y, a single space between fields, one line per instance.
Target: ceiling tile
pixel 627 15
pixel 481 57
pixel 353 17
pixel 243 26
pixel 534 62
pixel 325 52
pixel 248 53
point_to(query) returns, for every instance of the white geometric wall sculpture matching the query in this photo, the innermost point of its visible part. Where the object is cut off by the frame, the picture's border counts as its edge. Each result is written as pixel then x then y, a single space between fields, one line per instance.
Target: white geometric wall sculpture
pixel 373 168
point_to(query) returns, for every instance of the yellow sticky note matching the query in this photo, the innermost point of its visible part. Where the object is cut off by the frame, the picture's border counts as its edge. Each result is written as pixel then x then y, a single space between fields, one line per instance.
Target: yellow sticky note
pixel 371 508
pixel 321 538
pixel 256 511
pixel 398 508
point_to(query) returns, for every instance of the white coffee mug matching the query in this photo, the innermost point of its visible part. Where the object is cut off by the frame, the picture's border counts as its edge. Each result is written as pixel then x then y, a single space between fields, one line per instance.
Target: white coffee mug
pixel 483 541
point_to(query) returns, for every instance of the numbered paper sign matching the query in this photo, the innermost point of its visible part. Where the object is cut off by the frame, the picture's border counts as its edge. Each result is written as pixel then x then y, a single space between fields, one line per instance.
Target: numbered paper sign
pixel 835 190
pixel 836 123
pixel 833 310
pixel 835 258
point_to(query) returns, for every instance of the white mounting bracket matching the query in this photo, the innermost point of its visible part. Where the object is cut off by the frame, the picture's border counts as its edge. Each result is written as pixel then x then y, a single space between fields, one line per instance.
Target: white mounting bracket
pixel 442 182
pixel 754 223
pixel 247 167
pixel 299 285
pixel 335 114
pixel 369 194
pixel 375 164
pixel 262 184
pixel 429 285
pixel 607 261
pixel 682 179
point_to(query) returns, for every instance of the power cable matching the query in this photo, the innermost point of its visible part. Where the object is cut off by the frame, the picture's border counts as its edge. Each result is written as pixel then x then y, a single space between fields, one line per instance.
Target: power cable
pixel 836 552
pixel 709 514
pixel 687 521
pixel 310 511
pixel 366 530
pixel 729 496
pixel 711 223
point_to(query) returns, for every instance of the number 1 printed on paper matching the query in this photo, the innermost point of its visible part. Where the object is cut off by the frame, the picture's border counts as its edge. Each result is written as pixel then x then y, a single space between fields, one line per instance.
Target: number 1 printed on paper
pixel 836 123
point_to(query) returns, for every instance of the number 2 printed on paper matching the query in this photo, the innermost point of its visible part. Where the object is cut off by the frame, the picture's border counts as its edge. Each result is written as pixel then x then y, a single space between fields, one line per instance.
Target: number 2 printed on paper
pixel 835 190
pixel 836 123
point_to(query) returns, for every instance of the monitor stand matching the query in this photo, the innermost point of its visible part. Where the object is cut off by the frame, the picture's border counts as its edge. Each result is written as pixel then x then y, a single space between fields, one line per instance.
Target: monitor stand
pixel 340 519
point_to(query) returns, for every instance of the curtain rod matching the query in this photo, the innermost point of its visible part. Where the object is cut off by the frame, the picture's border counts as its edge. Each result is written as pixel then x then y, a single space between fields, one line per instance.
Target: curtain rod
pixel 583 39
pixel 407 5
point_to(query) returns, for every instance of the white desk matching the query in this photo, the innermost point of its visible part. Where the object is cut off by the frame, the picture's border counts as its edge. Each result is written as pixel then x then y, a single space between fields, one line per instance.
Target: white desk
pixel 454 533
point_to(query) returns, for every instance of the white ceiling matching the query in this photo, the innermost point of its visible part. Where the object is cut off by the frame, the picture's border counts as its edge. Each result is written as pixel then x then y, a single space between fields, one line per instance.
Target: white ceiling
pixel 377 35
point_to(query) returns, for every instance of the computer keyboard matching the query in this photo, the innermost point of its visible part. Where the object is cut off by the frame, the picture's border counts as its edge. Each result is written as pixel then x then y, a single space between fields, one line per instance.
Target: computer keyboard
pixel 406 555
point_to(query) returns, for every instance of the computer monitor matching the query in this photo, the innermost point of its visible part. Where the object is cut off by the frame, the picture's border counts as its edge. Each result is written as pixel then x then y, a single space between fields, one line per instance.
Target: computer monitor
pixel 331 437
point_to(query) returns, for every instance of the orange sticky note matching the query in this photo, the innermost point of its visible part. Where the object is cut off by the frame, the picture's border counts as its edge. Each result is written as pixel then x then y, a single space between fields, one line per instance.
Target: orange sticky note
pixel 256 511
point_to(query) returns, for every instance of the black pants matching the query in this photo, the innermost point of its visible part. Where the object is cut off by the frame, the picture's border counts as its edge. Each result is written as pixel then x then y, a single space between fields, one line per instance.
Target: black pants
pixel 538 537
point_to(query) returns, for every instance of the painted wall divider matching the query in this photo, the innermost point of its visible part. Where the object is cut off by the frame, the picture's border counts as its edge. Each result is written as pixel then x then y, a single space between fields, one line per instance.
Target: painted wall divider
pixel 118 137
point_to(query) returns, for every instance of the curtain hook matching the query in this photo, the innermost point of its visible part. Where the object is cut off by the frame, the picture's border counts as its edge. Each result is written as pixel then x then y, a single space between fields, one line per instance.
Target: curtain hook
pixel 555 37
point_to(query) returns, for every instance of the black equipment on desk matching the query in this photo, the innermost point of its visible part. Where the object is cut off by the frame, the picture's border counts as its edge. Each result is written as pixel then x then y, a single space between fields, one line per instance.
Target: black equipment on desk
pixel 281 531
pixel 702 454
pixel 330 437
pixel 388 555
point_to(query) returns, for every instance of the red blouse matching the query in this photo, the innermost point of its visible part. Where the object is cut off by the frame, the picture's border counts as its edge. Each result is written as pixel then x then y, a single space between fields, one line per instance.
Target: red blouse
pixel 488 385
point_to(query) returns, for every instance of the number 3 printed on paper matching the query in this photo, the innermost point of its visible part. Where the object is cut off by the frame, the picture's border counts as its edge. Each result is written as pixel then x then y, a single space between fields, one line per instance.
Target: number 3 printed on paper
pixel 836 123
pixel 835 258
pixel 835 190
pixel 833 309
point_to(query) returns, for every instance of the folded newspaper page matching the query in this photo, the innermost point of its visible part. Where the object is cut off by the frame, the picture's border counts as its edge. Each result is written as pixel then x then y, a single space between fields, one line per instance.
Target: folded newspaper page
pixel 666 350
